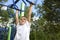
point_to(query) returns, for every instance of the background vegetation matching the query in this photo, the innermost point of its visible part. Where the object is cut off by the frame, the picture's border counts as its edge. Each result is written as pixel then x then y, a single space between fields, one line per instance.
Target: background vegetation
pixel 47 27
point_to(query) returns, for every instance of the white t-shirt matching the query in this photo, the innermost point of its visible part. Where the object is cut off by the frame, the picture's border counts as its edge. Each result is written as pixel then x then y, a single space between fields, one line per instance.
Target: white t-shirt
pixel 23 31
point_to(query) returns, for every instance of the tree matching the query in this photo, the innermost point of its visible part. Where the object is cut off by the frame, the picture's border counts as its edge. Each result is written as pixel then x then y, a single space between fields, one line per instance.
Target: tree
pixel 52 8
pixel 3 0
pixel 49 23
pixel 5 15
pixel 4 19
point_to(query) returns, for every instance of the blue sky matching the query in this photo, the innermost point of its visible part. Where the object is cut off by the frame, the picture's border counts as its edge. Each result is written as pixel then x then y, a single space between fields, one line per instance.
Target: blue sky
pixel 19 3
pixel 10 1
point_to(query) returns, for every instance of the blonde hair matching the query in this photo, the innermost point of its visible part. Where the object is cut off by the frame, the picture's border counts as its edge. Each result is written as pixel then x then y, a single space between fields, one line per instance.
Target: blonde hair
pixel 24 17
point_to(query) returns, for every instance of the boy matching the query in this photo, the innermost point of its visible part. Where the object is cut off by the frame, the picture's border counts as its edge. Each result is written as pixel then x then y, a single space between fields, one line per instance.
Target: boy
pixel 23 28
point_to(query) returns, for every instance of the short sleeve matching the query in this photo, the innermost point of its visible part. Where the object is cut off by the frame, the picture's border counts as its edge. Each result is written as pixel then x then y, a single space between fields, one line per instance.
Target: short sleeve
pixel 17 25
pixel 28 23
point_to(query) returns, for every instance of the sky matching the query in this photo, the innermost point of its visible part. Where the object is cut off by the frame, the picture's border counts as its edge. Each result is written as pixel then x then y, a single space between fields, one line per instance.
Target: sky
pixel 19 5
pixel 10 1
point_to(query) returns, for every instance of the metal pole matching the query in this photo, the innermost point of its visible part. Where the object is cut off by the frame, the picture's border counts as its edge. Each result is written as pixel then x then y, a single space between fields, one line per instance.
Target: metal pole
pixel 9 33
pixel 22 8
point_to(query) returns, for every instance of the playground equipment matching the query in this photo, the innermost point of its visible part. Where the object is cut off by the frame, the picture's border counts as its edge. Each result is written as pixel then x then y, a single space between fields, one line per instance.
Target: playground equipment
pixel 14 6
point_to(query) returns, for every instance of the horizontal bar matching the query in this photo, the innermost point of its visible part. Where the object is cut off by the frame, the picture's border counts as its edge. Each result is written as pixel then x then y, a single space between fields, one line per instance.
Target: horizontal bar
pixel 12 7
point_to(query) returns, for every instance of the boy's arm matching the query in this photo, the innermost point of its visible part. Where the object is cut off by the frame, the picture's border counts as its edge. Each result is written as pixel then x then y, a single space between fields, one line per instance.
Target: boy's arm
pixel 30 11
pixel 17 20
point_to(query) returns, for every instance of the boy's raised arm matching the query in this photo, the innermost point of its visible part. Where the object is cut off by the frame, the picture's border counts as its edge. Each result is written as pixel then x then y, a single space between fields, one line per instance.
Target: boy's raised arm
pixel 30 11
pixel 17 20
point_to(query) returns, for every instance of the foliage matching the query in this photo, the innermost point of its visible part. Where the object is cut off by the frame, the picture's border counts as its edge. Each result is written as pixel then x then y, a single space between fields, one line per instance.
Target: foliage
pixel 3 0
pixel 48 26
pixel 52 8
pixel 5 15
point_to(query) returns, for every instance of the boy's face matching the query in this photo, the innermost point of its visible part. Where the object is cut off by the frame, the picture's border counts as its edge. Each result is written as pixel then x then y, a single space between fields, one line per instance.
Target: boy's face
pixel 22 20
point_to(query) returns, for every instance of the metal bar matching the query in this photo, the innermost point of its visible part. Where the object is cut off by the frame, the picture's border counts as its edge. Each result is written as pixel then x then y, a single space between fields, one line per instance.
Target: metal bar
pixel 22 8
pixel 30 2
pixel 9 33
pixel 12 7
